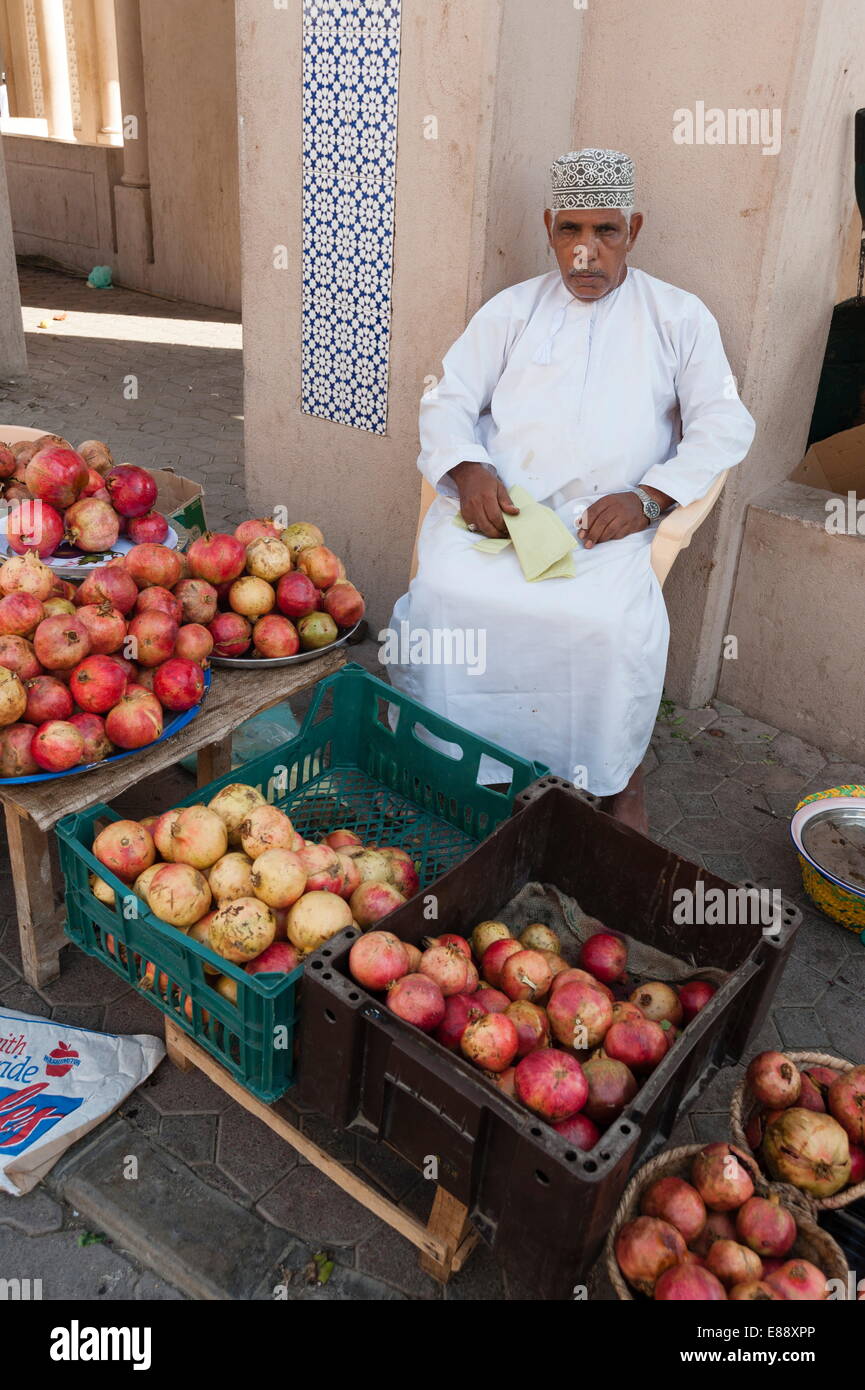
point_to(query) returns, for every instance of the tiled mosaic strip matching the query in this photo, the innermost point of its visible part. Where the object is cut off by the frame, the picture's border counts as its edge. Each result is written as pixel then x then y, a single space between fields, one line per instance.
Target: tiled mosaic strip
pixel 350 90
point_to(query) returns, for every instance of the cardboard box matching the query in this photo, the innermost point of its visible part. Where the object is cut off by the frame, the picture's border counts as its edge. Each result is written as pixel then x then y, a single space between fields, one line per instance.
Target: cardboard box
pixel 181 502
pixel 836 464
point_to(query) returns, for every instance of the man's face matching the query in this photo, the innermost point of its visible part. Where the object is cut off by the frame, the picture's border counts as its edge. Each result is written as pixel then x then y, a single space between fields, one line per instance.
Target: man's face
pixel 592 248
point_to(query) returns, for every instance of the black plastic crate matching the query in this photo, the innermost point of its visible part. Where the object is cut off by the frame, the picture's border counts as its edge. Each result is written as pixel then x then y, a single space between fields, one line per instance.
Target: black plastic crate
pixel 543 1206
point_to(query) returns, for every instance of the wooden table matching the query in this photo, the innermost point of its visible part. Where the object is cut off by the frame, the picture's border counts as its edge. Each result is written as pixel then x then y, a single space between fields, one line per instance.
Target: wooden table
pixel 33 809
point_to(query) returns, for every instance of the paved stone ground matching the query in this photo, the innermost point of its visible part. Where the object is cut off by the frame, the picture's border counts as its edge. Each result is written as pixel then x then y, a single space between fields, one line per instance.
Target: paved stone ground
pixel 222 1208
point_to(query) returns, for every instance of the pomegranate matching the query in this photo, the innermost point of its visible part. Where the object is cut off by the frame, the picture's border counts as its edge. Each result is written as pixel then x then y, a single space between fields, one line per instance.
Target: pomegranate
pixel 350 875
pixel 491 1042
pixel 197 600
pixel 638 1042
pixel 450 939
pixel 344 603
pixel 20 614
pixel 810 1096
pixel 105 626
pixel 676 1201
pixel 61 642
pixel 448 967
pixel 579 1015
pixel 315 918
pixel 255 529
pixel 774 1080
pixel 526 975
pixel 97 683
pixel 723 1175
pixel 538 937
pixel 26 574
pixel 645 1248
pixel 154 635
pixel 823 1077
pixel 377 960
pixel 57 476
pixel 414 954
pixel 550 1083
pixel 857 1165
pixel 492 1001
pixel 57 746
pixel 372 901
pixel 50 441
pixel 191 835
pixel 13 697
pixel 7 461
pixel 97 744
pixel 242 929
pixel 96 454
pixel 92 525
pixel 216 557
pixel 162 599
pixel 342 839
pixel 531 1023
pixel 404 875
pixel 251 597
pixel 231 633
pixel 150 529
pixel 267 557
pixel 798 1280
pixel 316 630
pixel 494 959
pixel 484 934
pixel 756 1291
pixel 132 490
pixel 320 564
pixel 17 655
pixel 16 740
pixel 579 1130
pixel 694 996
pixel 300 535
pixel 126 848
pixel 460 1011
pixel 179 895
pixel 765 1226
pixel 605 956
pixel 279 958
pixel 230 877
pixel 47 698
pixel 233 804
pixel 133 722
pixel 658 1001
pixel 846 1102
pixel 178 684
pixel 322 867
pixel 623 1009
pixel 194 643
pixel 503 1080
pixel 274 637
pixel 810 1151
pixel 153 565
pixel 417 999
pixel 34 526
pixel 611 1088
pixel 96 487
pixel 372 866
pixel 733 1263
pixel 689 1283
pixel 575 976
pixel 296 595
pixel 265 827
pixel 109 584
pixel 719 1226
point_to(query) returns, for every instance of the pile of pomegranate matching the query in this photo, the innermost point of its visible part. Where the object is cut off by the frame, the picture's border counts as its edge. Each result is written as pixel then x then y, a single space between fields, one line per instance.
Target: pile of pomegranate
pixel 238 878
pixel 809 1126
pixel 713 1238
pixel 570 1044
pixel 75 498
pixel 274 593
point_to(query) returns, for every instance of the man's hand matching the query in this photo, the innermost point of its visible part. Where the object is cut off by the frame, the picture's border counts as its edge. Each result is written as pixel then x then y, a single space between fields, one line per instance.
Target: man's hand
pixel 621 514
pixel 483 499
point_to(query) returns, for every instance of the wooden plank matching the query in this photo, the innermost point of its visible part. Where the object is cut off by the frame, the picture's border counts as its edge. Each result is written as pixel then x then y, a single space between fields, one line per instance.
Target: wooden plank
pixel 40 915
pixel 213 761
pixel 450 1224
pixel 430 1243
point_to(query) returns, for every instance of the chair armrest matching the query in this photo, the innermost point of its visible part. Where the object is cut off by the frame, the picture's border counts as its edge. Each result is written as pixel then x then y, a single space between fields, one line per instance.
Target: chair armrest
pixel 676 530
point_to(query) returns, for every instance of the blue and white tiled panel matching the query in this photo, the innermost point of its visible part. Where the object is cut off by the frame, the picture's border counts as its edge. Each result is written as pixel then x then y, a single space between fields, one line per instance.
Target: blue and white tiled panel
pixel 350 90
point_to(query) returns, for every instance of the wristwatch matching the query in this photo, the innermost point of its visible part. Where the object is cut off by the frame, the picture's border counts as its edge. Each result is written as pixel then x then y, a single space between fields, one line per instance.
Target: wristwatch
pixel 651 508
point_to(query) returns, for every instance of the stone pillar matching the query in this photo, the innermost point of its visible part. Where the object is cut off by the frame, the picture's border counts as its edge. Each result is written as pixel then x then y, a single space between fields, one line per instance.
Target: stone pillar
pixel 107 73
pixel 13 354
pixel 132 194
pixel 54 60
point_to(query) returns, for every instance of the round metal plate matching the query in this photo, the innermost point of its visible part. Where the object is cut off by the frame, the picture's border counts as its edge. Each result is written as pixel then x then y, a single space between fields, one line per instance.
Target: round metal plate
pixel 76 565
pixel 269 663
pixel 830 834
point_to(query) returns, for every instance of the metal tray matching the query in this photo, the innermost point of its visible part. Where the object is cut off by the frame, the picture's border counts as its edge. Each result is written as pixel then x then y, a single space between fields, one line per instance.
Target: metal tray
pixel 270 663
pixel 173 726
pixel 843 815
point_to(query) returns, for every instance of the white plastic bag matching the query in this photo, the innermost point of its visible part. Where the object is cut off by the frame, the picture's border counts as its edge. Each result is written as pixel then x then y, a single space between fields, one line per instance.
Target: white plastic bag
pixel 56 1084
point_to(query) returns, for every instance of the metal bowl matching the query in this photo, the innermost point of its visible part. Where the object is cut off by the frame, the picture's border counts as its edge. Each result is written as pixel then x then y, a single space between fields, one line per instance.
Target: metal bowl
pixel 830 834
pixel 270 663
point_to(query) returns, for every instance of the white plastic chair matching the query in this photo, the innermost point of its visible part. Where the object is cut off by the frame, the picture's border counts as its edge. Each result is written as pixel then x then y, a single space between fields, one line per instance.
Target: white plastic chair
pixel 673 534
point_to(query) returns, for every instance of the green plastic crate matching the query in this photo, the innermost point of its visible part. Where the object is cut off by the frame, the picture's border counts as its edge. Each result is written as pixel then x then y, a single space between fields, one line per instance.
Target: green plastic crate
pixel 357 763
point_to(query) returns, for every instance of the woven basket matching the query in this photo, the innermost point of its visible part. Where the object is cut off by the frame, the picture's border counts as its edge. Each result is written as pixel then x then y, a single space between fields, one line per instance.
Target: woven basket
pixel 742 1106
pixel 811 1243
pixel 847 909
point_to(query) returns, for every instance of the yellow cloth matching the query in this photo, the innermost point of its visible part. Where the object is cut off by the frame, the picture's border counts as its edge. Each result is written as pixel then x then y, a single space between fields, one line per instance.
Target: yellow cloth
pixel 542 541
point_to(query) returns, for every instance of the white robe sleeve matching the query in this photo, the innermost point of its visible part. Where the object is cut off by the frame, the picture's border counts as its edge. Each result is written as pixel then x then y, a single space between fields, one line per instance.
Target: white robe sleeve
pixel 450 411
pixel 717 430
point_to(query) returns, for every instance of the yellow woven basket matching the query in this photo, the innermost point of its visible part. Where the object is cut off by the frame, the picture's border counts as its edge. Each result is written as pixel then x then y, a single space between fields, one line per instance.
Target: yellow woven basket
pixel 846 908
